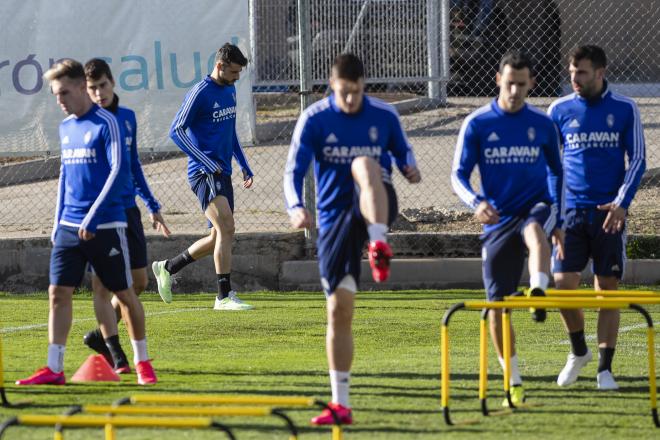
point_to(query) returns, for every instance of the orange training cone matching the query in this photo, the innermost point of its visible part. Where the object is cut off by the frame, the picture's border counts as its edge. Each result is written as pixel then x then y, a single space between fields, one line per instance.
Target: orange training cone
pixel 95 369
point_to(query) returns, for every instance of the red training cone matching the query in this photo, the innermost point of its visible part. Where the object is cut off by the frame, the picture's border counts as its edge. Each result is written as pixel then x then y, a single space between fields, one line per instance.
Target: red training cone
pixel 95 369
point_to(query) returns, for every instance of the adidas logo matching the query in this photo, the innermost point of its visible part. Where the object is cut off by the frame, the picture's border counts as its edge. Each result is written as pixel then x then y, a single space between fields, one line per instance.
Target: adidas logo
pixel 65 140
pixel 493 137
pixel 216 105
pixel 331 139
pixel 616 267
pixel 113 252
pixel 574 124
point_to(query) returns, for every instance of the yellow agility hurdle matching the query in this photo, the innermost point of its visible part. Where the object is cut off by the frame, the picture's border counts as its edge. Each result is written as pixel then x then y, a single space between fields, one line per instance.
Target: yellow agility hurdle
pixel 244 411
pixel 272 401
pixel 603 293
pixel 524 303
pixel 109 422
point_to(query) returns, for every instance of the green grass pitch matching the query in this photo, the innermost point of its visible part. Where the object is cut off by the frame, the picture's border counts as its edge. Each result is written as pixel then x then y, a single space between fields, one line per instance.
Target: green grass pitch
pixel 278 349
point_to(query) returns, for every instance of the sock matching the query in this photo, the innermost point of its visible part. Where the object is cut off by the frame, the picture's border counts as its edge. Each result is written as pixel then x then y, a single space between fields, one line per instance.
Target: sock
pixel 117 353
pixel 605 355
pixel 377 232
pixel 578 344
pixel 56 357
pixel 179 262
pixel 340 383
pixel 539 279
pixel 224 285
pixel 514 377
pixel 139 351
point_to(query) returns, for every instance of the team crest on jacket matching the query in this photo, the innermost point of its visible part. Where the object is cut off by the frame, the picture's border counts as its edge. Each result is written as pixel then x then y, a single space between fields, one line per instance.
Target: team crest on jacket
pixel 128 126
pixel 373 133
pixel 87 137
pixel 531 134
pixel 610 120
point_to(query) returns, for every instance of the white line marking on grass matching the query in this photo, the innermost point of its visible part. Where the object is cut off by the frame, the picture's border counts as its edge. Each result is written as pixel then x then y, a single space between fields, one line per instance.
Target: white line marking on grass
pixel 77 321
pixel 622 330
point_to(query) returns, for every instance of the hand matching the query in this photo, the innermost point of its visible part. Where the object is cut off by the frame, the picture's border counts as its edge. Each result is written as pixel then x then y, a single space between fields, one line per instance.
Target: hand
pixel 412 174
pixel 616 218
pixel 486 214
pixel 85 235
pixel 558 236
pixel 247 180
pixel 158 223
pixel 300 218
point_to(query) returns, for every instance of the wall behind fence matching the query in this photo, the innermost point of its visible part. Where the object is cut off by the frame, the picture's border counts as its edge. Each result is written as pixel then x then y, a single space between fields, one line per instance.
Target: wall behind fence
pixel 392 37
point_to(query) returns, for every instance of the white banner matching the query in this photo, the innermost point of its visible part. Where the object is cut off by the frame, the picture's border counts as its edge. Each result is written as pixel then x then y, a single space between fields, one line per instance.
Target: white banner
pixel 157 50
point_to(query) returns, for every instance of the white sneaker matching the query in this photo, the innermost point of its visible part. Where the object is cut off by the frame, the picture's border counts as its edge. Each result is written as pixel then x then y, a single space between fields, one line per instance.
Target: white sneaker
pixel 232 302
pixel 606 381
pixel 572 368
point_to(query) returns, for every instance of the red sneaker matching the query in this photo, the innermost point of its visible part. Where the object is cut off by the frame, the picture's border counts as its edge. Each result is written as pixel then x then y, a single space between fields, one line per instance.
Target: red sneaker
pixel 325 418
pixel 44 376
pixel 380 254
pixel 145 373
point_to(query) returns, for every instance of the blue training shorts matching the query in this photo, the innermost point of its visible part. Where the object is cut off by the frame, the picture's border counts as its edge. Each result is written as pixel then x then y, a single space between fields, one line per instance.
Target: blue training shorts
pixel 340 246
pixel 585 238
pixel 503 252
pixel 107 252
pixel 208 186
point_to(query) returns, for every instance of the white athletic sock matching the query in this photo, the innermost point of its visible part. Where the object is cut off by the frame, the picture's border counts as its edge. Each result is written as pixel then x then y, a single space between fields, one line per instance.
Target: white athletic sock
pixel 340 383
pixel 514 378
pixel 56 357
pixel 377 232
pixel 139 351
pixel 539 279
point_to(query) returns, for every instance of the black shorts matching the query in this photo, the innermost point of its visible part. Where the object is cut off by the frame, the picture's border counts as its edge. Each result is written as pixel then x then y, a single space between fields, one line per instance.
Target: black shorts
pixel 137 242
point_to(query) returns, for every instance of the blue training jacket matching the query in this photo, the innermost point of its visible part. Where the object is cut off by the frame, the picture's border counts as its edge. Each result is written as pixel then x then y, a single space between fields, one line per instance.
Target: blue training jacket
pixel 518 158
pixel 333 139
pixel 93 171
pixel 596 135
pixel 205 129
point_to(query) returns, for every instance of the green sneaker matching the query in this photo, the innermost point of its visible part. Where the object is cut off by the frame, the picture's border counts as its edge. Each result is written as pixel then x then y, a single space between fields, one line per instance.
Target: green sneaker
pixel 164 281
pixel 517 396
pixel 231 303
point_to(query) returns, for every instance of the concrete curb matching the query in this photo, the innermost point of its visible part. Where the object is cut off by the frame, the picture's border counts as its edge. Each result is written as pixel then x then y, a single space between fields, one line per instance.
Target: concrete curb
pixel 440 273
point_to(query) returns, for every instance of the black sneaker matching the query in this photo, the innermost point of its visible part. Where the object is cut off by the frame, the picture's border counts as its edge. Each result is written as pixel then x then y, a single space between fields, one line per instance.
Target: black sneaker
pixel 94 340
pixel 538 315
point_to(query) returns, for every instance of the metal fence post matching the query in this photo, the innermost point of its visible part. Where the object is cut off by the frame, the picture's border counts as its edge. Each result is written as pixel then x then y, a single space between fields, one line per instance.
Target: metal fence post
pixel 433 58
pixel 305 70
pixel 444 50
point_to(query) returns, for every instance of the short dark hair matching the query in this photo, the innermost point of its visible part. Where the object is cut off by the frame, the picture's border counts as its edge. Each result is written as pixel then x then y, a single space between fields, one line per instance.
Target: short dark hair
pixel 96 68
pixel 66 68
pixel 348 66
pixel 517 59
pixel 590 52
pixel 230 53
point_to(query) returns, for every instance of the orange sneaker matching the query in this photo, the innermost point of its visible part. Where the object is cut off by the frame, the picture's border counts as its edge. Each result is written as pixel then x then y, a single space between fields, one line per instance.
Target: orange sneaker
pixel 44 376
pixel 344 414
pixel 145 373
pixel 380 255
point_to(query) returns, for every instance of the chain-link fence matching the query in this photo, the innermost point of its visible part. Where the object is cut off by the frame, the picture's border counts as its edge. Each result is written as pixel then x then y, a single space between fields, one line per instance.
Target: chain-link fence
pixel 435 59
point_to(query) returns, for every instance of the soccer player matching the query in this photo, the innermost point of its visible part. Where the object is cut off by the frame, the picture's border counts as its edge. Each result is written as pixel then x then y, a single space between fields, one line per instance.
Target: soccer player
pixel 599 128
pixel 516 148
pixel 205 129
pixel 100 87
pixel 90 221
pixel 352 139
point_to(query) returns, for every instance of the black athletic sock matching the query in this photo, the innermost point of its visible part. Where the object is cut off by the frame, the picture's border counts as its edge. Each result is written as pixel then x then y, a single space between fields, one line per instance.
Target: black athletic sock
pixel 578 344
pixel 177 263
pixel 224 285
pixel 117 353
pixel 605 356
